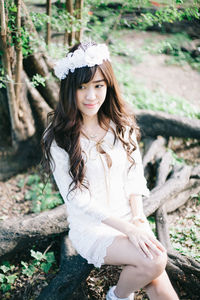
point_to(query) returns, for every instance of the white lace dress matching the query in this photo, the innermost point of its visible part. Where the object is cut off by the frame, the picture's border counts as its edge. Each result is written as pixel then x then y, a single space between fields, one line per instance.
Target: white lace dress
pixel 108 194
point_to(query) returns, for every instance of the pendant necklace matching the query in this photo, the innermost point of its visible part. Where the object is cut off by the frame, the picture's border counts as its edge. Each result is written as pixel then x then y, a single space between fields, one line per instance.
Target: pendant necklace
pixel 91 136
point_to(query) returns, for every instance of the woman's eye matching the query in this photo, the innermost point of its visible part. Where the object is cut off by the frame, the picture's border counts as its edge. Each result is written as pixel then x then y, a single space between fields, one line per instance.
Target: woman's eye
pixel 99 86
pixel 81 87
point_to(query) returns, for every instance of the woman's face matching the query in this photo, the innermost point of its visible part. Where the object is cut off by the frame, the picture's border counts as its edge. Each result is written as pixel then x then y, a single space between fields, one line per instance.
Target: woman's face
pixel 90 96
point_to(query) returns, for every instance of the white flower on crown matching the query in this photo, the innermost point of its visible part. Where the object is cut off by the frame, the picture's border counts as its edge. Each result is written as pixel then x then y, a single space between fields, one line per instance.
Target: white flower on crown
pixel 93 55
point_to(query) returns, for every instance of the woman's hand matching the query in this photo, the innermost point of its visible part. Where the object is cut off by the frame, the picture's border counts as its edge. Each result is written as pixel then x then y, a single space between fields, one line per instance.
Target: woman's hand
pixel 143 238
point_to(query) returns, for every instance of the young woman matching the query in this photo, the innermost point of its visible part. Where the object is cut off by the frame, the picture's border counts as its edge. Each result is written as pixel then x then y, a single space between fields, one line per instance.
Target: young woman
pixel 91 147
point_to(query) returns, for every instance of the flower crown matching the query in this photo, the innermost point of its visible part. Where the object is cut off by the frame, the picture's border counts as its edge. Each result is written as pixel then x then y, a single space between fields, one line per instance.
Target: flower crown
pixel 87 55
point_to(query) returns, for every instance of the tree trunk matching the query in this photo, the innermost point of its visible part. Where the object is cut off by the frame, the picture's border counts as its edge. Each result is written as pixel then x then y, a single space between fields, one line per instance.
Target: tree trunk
pixel 19 58
pixel 39 104
pixel 79 9
pixel 35 64
pixel 69 36
pixel 48 30
pixel 22 123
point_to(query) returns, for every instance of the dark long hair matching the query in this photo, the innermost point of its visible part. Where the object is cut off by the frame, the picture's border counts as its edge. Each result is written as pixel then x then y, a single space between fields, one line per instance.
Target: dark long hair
pixel 64 123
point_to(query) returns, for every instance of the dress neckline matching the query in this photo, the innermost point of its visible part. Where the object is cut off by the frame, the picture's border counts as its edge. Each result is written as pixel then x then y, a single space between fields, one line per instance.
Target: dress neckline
pixel 84 138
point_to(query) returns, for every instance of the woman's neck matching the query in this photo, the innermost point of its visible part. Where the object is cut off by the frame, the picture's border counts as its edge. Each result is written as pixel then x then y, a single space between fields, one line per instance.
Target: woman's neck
pixel 90 122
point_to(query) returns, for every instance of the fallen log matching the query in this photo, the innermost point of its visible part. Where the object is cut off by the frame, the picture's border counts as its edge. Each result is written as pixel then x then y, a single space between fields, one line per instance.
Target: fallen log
pixel 155 147
pixel 16 233
pixel 186 272
pixel 160 123
pixel 162 229
pixel 169 189
pixel 195 172
pixel 192 188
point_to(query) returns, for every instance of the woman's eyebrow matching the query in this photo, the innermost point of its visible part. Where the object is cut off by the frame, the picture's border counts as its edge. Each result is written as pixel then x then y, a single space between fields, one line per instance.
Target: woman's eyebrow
pixel 96 81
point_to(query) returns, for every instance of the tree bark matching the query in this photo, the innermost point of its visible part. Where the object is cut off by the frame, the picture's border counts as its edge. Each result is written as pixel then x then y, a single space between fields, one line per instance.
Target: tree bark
pixel 38 66
pixel 161 123
pixel 15 233
pixel 48 30
pixel 156 147
pixel 69 36
pixel 22 124
pixel 79 9
pixel 19 57
pixel 162 229
pixel 38 102
pixel 192 188
pixel 169 189
pixel 185 272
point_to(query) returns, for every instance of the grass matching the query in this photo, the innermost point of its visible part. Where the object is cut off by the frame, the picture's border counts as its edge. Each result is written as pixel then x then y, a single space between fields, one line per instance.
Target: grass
pixel 143 98
pixel 173 47
pixel 185 236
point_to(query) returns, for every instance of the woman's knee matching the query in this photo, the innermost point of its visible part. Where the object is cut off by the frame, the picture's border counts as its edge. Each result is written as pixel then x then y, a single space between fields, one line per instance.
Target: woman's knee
pixel 153 268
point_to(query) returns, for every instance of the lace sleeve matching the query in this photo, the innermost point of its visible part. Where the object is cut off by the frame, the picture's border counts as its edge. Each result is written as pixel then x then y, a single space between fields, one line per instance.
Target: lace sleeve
pixel 78 202
pixel 135 182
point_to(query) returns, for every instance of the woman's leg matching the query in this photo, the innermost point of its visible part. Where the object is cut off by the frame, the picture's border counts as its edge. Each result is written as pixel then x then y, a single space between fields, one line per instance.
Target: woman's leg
pixel 138 272
pixel 161 288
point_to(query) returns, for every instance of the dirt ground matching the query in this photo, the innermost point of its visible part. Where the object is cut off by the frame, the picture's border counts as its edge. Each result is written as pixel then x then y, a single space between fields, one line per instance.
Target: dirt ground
pixel 180 81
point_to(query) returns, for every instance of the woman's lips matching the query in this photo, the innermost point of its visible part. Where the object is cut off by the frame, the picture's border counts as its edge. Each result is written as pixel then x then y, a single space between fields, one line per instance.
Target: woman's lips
pixel 90 105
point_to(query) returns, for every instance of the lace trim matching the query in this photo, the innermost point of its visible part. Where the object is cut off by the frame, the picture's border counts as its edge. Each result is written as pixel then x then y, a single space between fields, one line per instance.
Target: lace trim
pixel 98 261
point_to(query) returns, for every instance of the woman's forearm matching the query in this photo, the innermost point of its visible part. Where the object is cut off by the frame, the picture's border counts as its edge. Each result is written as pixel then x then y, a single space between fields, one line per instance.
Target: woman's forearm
pixel 136 205
pixel 124 226
pixel 121 225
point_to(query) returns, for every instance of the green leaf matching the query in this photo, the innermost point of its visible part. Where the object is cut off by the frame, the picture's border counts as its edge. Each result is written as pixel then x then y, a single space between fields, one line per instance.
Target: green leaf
pixel 2 277
pixel 24 264
pixel 29 271
pixel 37 255
pixel 4 268
pixel 5 287
pixel 11 278
pixel 50 257
pixel 20 183
pixel 46 267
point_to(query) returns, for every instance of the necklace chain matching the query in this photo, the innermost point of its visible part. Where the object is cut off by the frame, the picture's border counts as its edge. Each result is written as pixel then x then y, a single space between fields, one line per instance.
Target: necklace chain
pixel 90 135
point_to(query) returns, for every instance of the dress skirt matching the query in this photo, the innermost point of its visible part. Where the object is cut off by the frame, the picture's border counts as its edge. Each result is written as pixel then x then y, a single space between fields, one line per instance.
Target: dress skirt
pixel 92 242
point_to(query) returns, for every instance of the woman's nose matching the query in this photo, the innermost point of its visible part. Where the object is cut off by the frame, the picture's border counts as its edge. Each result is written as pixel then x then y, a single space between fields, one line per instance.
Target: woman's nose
pixel 91 94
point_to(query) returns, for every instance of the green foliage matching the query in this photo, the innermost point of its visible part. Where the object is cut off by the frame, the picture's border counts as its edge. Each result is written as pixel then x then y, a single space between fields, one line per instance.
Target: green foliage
pixel 37 80
pixel 185 236
pixel 6 278
pixel 2 77
pixel 60 20
pixel 143 98
pixel 42 196
pixel 173 46
pixel 13 38
pixel 40 262
pixel 106 16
